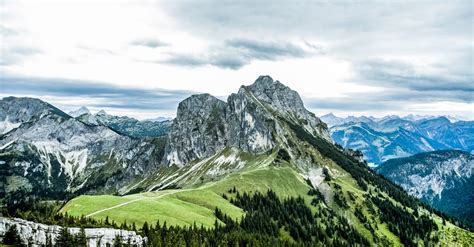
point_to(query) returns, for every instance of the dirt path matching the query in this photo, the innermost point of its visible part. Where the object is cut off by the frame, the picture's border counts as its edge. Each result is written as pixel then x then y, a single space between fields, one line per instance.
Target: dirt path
pixel 113 207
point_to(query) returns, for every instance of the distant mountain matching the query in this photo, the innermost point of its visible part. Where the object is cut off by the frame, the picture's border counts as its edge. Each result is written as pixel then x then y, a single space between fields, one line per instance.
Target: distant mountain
pixel 381 139
pixel 160 119
pixel 127 125
pixel 51 154
pixel 331 119
pixel 81 111
pixel 443 179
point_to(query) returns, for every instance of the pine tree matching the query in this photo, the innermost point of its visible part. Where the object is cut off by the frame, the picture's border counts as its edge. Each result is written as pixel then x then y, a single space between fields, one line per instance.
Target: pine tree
pixel 12 237
pixel 118 241
pixel 64 238
pixel 146 229
pixel 81 239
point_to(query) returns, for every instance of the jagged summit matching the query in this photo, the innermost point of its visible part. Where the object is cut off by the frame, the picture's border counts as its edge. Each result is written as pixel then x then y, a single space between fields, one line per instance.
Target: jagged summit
pixel 251 120
pixel 17 110
pixel 81 111
pixel 101 113
pixel 264 81
pixel 198 104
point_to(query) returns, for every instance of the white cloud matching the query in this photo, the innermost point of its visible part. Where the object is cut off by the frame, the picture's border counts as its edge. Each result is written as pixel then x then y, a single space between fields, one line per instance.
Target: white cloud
pixel 125 43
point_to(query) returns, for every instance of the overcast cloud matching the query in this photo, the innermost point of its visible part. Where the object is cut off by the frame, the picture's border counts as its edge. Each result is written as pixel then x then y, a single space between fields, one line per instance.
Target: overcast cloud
pixel 142 57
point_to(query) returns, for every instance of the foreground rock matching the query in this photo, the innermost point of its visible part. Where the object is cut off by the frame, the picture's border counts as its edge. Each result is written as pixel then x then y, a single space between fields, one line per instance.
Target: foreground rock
pixel 35 234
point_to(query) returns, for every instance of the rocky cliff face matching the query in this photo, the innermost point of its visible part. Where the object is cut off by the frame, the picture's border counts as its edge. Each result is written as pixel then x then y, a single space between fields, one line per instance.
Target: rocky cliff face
pixel 50 153
pixel 36 234
pixel 250 120
pixel 443 179
pixel 199 129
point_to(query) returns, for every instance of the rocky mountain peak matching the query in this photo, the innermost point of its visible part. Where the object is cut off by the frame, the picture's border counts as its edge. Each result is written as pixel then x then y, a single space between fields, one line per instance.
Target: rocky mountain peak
pixel 15 111
pixel 198 105
pixel 264 81
pixel 279 96
pixel 101 113
pixel 81 111
pixel 249 121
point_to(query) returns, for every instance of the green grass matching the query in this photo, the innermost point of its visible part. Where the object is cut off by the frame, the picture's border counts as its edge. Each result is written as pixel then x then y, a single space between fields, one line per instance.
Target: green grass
pixel 184 207
pixel 191 205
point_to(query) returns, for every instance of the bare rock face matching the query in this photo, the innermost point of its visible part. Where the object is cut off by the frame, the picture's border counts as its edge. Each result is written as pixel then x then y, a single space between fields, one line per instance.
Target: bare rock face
pixel 251 120
pixel 199 129
pixel 36 234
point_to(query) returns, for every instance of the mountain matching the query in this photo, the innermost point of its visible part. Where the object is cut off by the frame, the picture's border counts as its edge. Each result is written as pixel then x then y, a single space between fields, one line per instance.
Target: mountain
pixel 250 121
pixel 81 111
pixel 256 168
pixel 159 119
pixel 226 160
pixel 393 137
pixel 126 125
pixel 332 120
pixel 443 179
pixel 51 154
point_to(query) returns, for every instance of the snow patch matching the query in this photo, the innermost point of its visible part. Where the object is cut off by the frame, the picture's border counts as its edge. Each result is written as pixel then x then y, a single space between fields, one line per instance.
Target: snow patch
pixel 249 119
pixel 7 144
pixel 6 126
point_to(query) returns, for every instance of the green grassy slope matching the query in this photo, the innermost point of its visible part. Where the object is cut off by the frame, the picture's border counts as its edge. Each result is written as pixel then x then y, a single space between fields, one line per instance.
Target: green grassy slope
pixel 196 205
pixel 186 206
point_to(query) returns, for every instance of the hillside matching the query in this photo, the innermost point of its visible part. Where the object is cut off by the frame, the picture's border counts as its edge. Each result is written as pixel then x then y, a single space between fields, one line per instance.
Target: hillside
pixel 442 179
pixel 264 139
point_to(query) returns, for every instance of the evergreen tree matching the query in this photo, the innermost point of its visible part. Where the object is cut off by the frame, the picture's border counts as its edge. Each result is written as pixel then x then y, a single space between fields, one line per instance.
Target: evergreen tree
pixel 12 237
pixel 81 239
pixel 64 238
pixel 118 241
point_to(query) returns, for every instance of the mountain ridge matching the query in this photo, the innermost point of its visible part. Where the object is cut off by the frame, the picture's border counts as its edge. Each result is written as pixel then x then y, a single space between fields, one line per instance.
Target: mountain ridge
pixel 261 138
pixel 443 179
pixel 394 137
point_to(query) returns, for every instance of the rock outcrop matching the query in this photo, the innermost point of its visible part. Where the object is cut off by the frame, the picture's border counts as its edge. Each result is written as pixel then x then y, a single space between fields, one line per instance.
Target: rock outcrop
pixel 250 120
pixel 35 234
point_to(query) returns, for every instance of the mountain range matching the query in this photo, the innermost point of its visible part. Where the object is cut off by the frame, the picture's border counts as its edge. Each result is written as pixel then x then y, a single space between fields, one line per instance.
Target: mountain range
pixel 48 152
pixel 381 139
pixel 260 140
pixel 443 179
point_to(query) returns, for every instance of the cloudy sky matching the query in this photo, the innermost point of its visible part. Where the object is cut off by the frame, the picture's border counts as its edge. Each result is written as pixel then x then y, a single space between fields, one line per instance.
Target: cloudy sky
pixel 140 58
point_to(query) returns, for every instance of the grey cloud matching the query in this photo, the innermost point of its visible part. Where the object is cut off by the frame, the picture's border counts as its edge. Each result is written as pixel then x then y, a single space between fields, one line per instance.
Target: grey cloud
pixel 116 97
pixel 353 30
pixel 185 60
pixel 266 50
pixel 16 54
pixel 326 19
pixel 236 53
pixel 403 75
pixel 151 43
pixel 394 99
